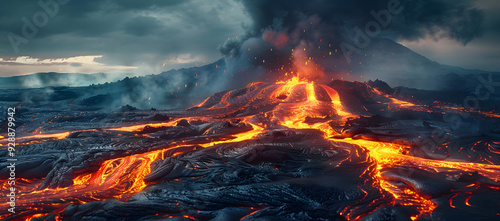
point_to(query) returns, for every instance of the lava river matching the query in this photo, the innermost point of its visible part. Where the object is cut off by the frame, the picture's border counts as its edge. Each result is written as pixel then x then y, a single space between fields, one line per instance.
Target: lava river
pixel 290 150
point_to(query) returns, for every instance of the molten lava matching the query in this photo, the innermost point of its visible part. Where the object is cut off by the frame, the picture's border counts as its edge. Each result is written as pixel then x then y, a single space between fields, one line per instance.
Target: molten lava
pixel 259 113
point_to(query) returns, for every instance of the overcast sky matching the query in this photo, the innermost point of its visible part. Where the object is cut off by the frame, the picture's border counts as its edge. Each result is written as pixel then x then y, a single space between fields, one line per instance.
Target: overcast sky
pixel 151 36
pixel 481 53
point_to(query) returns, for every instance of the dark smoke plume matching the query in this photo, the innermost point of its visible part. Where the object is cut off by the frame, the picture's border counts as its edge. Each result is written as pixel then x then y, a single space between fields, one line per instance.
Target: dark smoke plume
pixel 331 33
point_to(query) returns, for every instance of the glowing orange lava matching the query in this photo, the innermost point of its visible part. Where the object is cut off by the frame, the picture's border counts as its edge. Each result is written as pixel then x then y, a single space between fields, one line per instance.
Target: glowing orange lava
pixel 300 105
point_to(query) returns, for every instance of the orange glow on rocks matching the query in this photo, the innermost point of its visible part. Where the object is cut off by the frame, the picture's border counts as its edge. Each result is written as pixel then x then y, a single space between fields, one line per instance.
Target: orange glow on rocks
pixel 298 104
pixel 306 68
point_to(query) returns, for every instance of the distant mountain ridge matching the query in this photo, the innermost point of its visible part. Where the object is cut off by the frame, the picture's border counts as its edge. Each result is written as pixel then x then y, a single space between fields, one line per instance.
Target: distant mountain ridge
pixel 54 79
pixel 385 60
pixel 382 59
pixel 400 66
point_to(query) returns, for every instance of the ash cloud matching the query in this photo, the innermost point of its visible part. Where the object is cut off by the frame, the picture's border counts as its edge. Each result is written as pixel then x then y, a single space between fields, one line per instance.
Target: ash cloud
pixel 319 27
pixel 456 19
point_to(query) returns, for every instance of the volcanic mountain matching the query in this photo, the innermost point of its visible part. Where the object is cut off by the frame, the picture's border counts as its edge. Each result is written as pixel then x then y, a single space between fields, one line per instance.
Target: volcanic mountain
pixel 383 59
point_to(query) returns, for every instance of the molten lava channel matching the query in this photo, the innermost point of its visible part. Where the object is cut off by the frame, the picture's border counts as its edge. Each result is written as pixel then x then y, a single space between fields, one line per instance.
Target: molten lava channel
pixel 293 104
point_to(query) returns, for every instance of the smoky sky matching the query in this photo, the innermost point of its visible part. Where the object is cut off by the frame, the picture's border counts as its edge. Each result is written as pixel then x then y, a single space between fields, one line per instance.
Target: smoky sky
pixel 322 26
pixel 131 32
pixel 460 20
pixel 126 32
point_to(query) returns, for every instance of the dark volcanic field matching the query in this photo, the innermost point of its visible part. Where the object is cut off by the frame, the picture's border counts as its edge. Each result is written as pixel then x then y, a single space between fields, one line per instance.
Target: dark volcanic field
pixel 290 151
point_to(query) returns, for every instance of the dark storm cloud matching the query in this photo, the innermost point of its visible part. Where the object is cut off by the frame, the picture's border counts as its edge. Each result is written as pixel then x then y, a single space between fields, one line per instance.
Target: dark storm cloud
pixel 480 53
pixel 142 25
pixel 126 32
pixel 147 4
pixel 130 32
pixel 456 19
pixel 286 34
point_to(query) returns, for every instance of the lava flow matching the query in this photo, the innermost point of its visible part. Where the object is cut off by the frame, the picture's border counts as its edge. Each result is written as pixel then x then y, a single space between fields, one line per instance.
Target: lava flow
pixel 291 150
